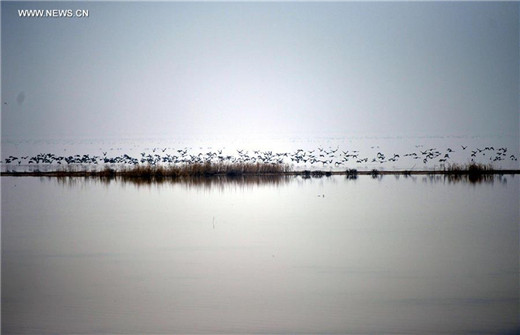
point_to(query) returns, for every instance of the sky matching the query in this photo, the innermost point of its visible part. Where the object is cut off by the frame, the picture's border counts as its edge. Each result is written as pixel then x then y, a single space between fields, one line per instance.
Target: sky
pixel 242 68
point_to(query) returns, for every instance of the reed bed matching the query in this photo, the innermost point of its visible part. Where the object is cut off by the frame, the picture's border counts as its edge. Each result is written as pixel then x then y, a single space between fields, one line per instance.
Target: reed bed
pixel 196 170
pixel 471 169
pixel 351 173
pixel 152 172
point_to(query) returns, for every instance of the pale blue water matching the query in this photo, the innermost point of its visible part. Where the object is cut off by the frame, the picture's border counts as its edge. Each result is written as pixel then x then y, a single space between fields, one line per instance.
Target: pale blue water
pixel 416 255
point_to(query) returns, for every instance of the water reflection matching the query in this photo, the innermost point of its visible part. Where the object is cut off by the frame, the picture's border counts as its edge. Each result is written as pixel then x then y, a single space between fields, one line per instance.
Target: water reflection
pixel 188 182
pixel 444 178
pixel 467 178
pixel 278 180
pixel 283 255
pixel 477 178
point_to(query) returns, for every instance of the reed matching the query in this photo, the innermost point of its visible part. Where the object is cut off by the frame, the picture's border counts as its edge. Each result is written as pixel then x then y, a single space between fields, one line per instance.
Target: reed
pixel 351 173
pixel 152 172
pixel 315 174
pixel 199 170
pixel 471 169
pixel 107 172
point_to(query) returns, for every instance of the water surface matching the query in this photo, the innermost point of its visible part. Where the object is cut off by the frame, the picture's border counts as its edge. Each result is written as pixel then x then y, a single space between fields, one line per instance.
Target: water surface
pixel 290 255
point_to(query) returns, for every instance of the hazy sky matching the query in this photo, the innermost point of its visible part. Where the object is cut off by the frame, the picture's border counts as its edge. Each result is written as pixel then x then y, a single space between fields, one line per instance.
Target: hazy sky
pixel 168 68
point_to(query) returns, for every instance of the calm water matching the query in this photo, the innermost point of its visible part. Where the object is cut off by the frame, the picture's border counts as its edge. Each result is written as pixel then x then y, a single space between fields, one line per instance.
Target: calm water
pixel 331 255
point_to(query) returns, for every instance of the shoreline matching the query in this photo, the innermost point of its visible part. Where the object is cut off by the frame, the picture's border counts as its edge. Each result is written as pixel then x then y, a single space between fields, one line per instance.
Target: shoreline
pixel 305 173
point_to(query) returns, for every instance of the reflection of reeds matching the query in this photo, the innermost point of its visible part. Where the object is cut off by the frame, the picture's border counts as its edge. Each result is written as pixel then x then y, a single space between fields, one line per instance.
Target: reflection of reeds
pixel 222 181
pixel 473 172
pixel 472 178
pixel 218 181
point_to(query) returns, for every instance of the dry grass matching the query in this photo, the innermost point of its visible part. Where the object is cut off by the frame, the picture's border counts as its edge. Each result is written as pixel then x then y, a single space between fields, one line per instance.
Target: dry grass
pixel 351 173
pixel 198 170
pixel 471 169
pixel 146 173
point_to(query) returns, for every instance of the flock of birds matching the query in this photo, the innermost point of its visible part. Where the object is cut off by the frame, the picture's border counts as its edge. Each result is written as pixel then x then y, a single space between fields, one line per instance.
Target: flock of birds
pixel 332 158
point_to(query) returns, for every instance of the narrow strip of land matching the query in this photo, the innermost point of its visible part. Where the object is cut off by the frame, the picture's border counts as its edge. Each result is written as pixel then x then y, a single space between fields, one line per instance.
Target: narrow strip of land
pixel 232 170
